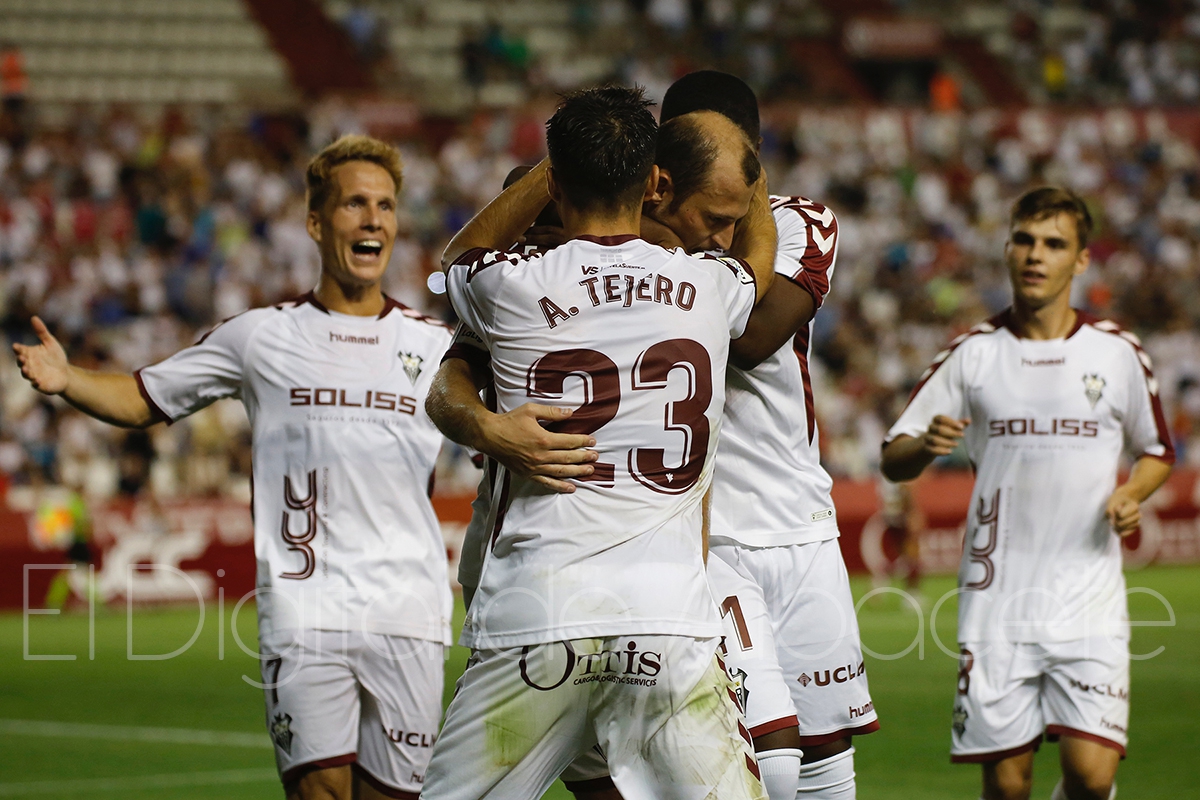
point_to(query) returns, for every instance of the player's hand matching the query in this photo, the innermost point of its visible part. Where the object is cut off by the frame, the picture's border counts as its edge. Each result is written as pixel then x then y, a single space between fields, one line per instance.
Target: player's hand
pixel 655 232
pixel 943 435
pixel 1123 512
pixel 544 236
pixel 519 441
pixel 44 365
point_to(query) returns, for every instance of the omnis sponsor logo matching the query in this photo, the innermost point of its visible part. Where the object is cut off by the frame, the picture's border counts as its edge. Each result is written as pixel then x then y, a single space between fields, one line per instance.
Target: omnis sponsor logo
pixel 628 666
pixel 839 675
pixel 383 401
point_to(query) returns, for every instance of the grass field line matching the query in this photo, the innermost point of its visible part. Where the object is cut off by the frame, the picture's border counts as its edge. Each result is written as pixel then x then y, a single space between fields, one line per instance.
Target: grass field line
pixel 169 781
pixel 133 733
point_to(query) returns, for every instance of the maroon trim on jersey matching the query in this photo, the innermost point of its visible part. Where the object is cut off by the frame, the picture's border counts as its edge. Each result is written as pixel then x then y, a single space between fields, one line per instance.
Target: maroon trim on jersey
pixel 752 765
pixel 502 511
pixel 608 241
pixel 311 297
pixel 813 275
pixel 774 725
pixel 156 413
pixel 478 359
pixel 590 785
pixel 300 770
pixel 1054 732
pixel 1160 419
pixel 800 345
pixel 1001 320
pixel 996 755
pixel 389 305
pixel 826 738
pixel 380 786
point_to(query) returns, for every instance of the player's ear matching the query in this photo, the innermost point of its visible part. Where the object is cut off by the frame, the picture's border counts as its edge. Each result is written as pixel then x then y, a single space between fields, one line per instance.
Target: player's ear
pixel 552 186
pixel 651 194
pixel 313 223
pixel 1082 260
pixel 663 189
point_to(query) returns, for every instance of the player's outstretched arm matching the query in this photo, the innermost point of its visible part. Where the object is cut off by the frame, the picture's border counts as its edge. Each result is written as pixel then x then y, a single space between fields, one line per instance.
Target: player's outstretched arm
pixel 1124 504
pixel 505 219
pixel 905 457
pixel 755 239
pixel 109 397
pixel 516 439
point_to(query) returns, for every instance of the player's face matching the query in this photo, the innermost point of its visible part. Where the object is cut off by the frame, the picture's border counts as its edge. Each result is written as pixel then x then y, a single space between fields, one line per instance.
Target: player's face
pixel 705 220
pixel 357 227
pixel 1043 257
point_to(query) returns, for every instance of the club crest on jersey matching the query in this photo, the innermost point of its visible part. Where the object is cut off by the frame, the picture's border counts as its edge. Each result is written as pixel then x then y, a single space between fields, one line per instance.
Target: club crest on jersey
pixel 959 719
pixel 412 365
pixel 281 732
pixel 1093 387
pixel 738 676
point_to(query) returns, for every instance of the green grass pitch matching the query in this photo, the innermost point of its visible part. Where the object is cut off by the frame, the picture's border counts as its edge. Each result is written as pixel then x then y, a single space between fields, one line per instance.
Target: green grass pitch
pixel 126 699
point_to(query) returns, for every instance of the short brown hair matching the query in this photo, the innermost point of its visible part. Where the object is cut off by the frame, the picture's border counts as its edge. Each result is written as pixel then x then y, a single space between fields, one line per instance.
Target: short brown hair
pixel 1049 201
pixel 353 147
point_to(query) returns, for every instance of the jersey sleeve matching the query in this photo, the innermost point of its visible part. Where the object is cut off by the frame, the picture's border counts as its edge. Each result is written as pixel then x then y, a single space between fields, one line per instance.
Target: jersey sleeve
pixel 1146 431
pixel 808 243
pixel 468 346
pixel 472 282
pixel 738 289
pixel 198 376
pixel 941 390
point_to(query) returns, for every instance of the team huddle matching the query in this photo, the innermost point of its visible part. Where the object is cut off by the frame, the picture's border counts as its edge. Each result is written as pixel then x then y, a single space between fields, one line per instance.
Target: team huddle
pixel 657 605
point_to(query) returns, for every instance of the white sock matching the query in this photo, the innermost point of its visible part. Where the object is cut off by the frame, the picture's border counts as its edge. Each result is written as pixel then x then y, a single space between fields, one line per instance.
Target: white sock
pixel 1060 793
pixel 780 771
pixel 829 779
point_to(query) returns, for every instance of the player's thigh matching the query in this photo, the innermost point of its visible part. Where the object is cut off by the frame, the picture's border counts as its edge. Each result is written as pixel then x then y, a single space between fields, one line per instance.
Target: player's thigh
pixel 675 731
pixel 402 682
pixel 807 591
pixel 749 646
pixel 516 721
pixel 1086 692
pixel 997 704
pixel 312 701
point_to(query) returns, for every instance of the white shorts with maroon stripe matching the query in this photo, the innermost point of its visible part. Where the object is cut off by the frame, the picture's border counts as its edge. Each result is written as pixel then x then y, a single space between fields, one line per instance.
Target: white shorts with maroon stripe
pixel 749 650
pixel 1009 695
pixel 347 697
pixel 804 591
pixel 660 709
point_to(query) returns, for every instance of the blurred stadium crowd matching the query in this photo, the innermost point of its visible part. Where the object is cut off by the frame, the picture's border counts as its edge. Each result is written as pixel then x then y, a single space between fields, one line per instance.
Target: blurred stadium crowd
pixel 131 235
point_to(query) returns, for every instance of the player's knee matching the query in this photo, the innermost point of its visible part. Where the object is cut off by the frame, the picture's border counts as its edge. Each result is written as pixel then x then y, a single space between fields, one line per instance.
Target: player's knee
pixel 828 779
pixel 321 784
pixel 1008 782
pixel 1094 785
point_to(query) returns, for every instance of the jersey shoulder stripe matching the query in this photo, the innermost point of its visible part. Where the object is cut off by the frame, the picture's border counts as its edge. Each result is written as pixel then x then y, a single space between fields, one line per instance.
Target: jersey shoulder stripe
pixel 989 326
pixel 1131 339
pixel 815 248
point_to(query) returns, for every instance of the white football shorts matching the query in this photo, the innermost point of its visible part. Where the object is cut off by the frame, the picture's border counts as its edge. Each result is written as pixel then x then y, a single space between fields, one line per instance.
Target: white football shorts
pixel 749 650
pixel 804 590
pixel 348 697
pixel 660 708
pixel 1011 694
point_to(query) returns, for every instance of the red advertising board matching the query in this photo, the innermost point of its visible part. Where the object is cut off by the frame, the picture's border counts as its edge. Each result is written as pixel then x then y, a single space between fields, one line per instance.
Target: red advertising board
pixel 183 550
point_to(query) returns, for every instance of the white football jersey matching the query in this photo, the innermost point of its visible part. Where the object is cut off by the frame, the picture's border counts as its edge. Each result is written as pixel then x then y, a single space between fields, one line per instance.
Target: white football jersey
pixel 769 487
pixel 635 338
pixel 1049 422
pixel 344 533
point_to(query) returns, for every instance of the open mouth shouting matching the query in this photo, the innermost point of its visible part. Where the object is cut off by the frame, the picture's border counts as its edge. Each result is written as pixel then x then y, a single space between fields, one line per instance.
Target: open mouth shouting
pixel 367 251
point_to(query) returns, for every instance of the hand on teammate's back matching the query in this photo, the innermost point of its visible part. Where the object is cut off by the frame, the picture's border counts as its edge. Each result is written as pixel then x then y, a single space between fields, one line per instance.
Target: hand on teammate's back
pixel 44 365
pixel 943 435
pixel 520 442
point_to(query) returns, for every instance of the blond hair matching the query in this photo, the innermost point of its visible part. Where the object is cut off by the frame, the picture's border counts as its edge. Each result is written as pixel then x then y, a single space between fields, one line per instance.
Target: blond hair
pixel 353 147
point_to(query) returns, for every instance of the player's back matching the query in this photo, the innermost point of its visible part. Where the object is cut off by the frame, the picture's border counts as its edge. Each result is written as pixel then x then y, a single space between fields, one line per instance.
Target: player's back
pixel 635 338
